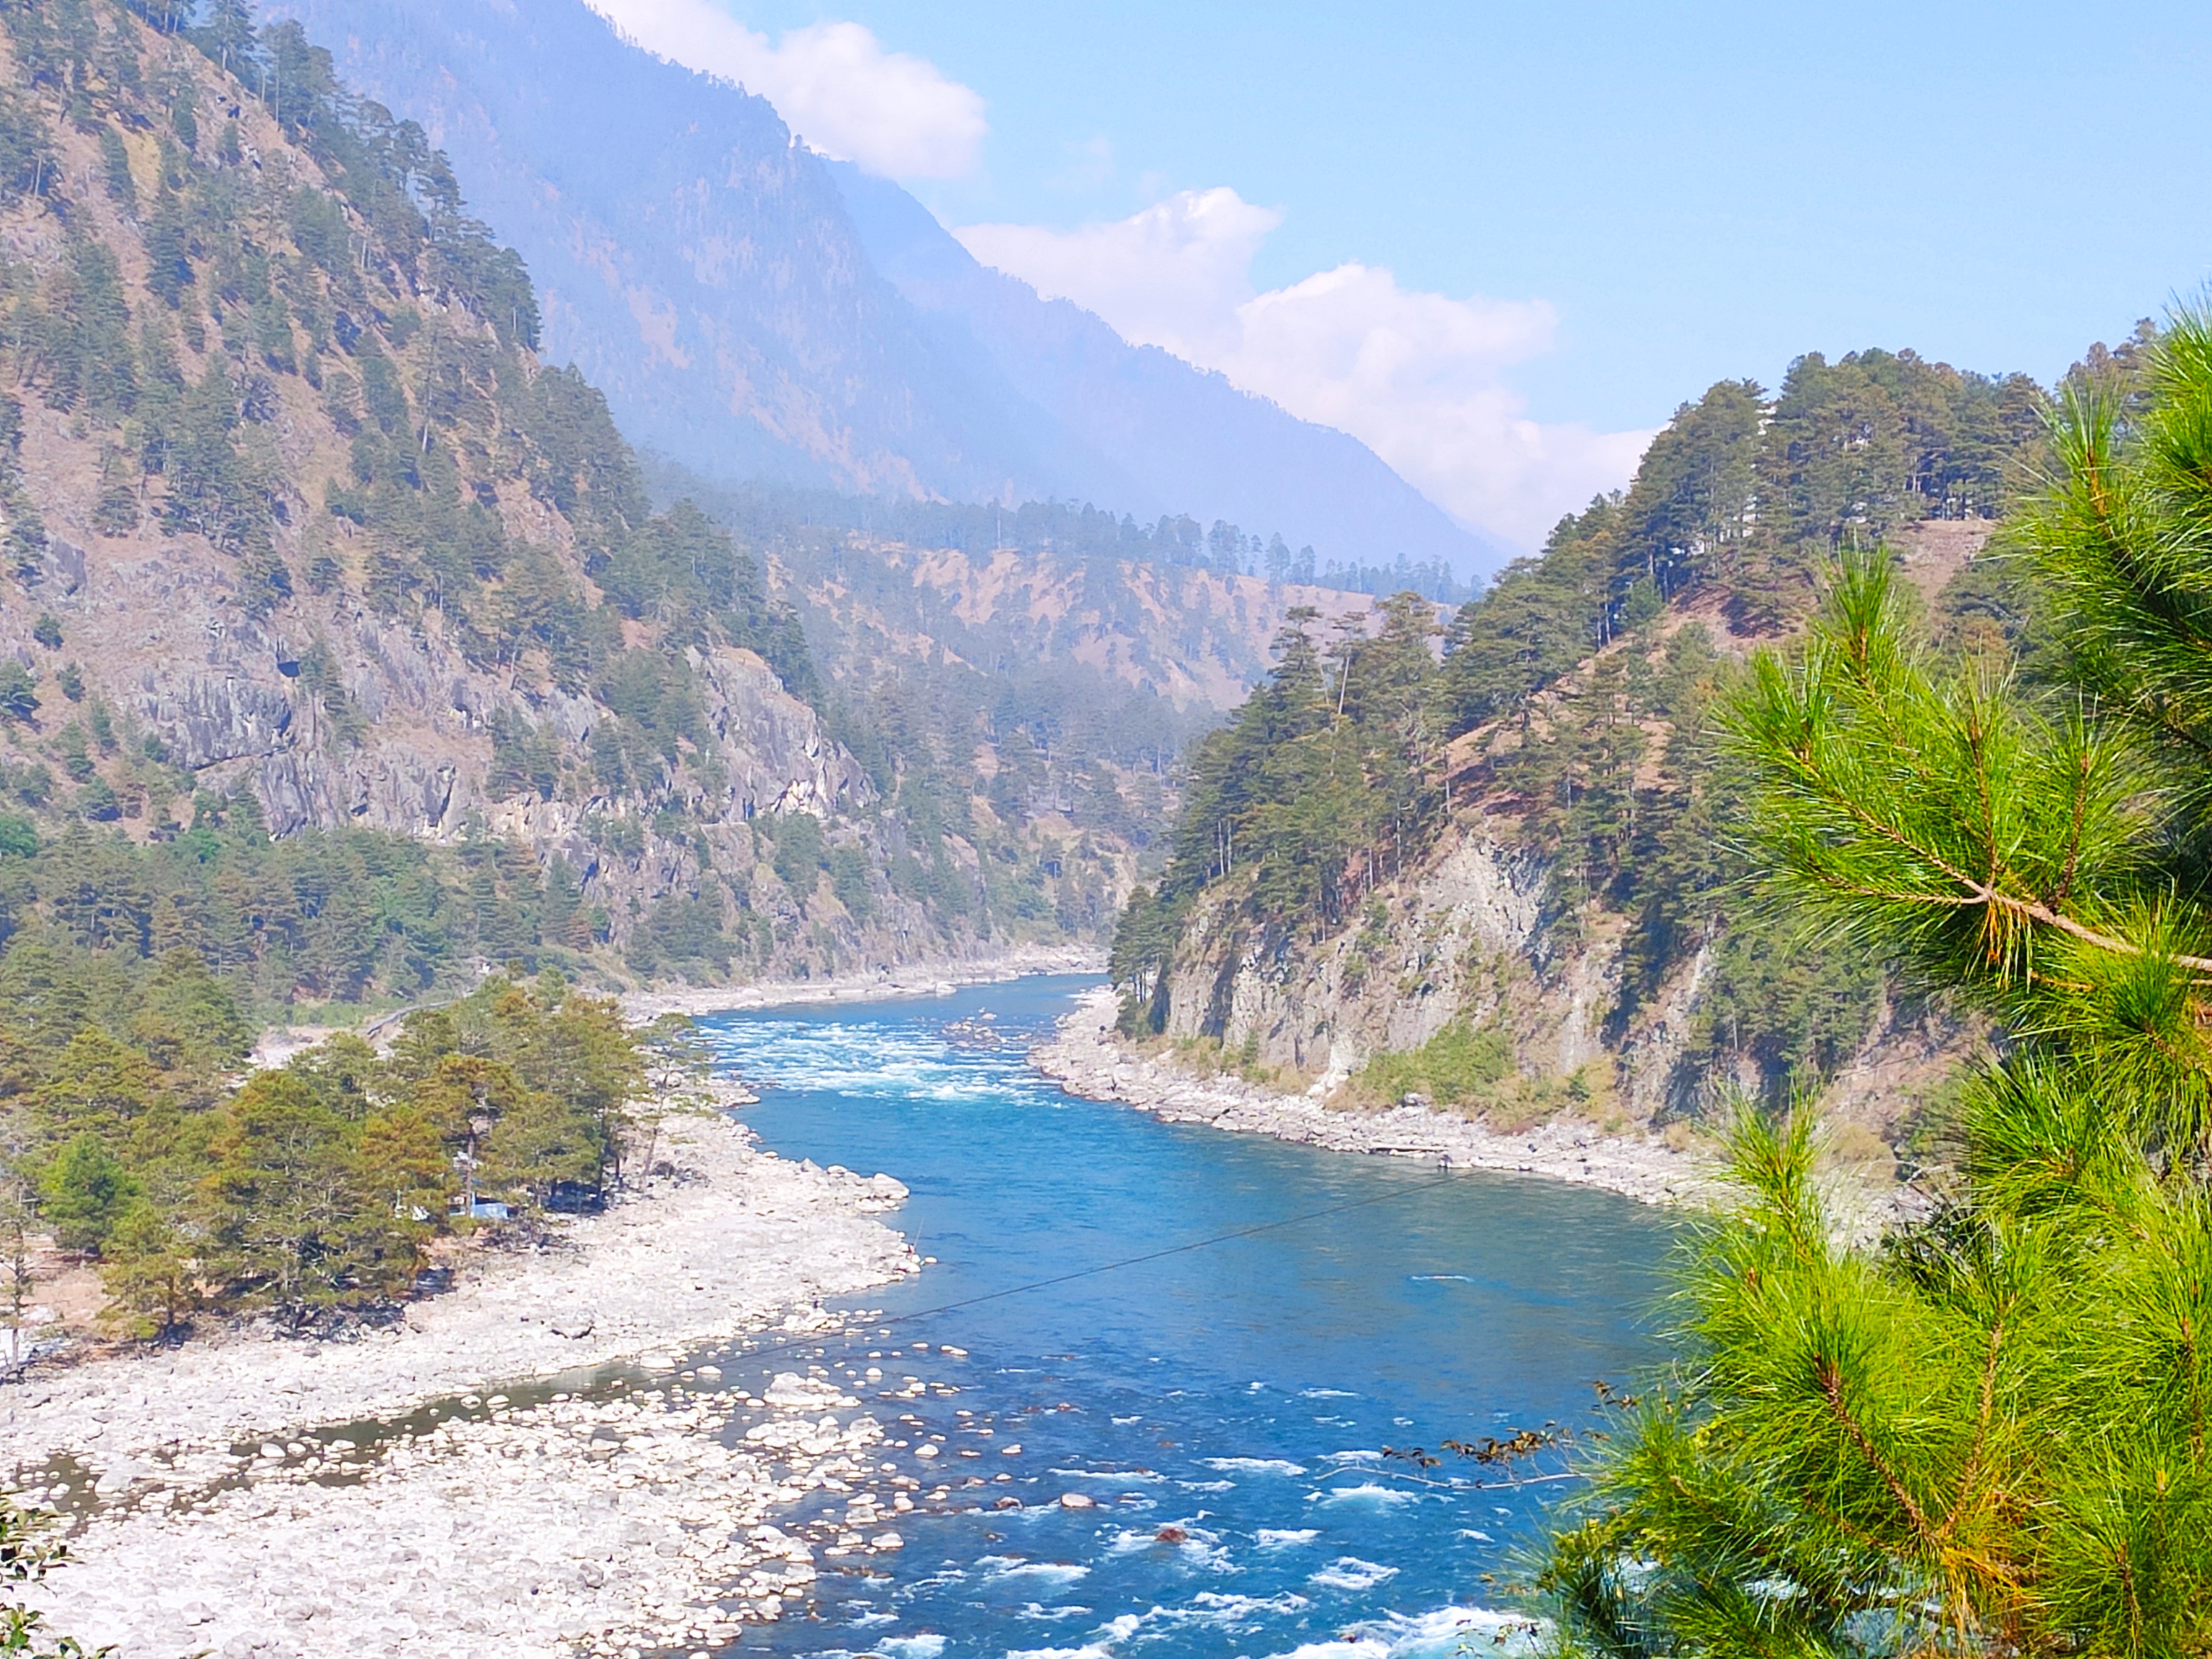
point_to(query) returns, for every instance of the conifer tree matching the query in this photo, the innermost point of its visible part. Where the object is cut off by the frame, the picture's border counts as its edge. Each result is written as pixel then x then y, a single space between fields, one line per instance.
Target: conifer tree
pixel 1989 1437
pixel 87 1191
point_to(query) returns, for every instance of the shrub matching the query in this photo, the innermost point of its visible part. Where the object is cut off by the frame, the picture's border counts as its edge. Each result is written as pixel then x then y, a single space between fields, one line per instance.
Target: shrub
pixel 1460 1066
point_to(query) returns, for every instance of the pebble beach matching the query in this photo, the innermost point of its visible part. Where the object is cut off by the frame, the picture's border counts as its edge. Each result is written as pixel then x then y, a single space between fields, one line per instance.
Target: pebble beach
pixel 411 1490
pixel 429 1488
pixel 1089 1059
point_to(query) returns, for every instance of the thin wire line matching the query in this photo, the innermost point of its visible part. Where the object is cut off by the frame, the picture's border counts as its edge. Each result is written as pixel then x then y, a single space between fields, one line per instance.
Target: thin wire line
pixel 1126 1262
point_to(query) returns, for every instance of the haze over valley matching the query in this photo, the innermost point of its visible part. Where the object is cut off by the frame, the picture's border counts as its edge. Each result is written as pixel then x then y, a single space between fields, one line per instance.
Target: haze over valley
pixel 922 834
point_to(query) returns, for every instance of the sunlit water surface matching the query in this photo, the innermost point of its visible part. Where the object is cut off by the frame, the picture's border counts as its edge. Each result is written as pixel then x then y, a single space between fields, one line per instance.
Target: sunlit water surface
pixel 1242 1394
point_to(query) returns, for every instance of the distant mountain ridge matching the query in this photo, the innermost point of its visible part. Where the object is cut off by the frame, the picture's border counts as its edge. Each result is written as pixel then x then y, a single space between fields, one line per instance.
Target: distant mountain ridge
pixel 1189 434
pixel 754 311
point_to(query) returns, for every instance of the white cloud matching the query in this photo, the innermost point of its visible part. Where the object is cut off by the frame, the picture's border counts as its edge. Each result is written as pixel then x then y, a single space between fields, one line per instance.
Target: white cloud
pixel 1172 275
pixel 1421 379
pixel 833 83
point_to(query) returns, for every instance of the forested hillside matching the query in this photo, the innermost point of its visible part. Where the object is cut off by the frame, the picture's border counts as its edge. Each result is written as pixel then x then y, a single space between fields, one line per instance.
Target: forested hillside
pixel 303 542
pixel 306 542
pixel 1498 868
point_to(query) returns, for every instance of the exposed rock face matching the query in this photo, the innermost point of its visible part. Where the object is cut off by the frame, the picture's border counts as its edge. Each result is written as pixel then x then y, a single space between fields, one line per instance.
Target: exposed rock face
pixel 1324 1011
pixel 203 719
pixel 1474 932
pixel 222 693
pixel 779 758
pixel 1473 935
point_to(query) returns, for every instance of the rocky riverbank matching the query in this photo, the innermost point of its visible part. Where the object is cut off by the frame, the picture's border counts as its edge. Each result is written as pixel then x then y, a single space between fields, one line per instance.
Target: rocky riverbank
pixel 238 1496
pixel 922 980
pixel 1087 1058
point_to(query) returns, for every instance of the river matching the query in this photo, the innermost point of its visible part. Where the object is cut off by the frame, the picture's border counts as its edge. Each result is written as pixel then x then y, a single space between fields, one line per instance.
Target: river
pixel 1230 1411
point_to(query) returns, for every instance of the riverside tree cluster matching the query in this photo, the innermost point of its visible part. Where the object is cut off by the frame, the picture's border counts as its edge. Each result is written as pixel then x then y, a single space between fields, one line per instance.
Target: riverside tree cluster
pixel 318 1188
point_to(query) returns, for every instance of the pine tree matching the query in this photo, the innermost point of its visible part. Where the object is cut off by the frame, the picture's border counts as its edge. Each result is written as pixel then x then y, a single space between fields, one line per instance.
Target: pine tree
pixel 1989 1437
pixel 87 1191
pixel 150 1275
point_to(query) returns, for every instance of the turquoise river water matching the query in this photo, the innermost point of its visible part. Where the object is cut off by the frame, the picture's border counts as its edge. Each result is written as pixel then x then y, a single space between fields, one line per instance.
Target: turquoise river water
pixel 1229 1409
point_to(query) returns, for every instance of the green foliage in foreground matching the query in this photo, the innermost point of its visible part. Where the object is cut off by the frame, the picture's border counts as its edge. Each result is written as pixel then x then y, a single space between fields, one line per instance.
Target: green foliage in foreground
pixel 1991 1436
pixel 27 1554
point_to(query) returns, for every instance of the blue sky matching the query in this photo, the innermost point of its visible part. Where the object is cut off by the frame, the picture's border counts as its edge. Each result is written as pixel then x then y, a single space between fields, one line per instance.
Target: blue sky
pixel 1685 193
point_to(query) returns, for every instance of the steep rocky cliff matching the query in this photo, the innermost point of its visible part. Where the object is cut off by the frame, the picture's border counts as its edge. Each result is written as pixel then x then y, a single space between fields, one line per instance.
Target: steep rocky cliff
pixel 1512 881
pixel 392 730
pixel 295 516
pixel 1474 939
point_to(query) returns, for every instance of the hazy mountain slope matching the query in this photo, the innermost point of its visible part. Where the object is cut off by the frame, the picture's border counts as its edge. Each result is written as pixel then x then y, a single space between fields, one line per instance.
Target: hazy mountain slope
pixel 1043 689
pixel 708 274
pixel 300 535
pixel 694 264
pixel 1191 639
pixel 301 539
pixel 1197 443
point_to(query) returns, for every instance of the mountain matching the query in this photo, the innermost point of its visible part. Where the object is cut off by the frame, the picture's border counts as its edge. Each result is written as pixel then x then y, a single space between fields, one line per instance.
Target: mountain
pixel 339 642
pixel 754 312
pixel 343 646
pixel 1507 882
pixel 1197 442
pixel 694 262
pixel 305 536
pixel 1145 633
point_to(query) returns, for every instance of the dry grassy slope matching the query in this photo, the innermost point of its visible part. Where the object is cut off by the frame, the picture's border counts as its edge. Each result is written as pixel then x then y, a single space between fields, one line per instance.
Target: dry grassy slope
pixel 1195 637
pixel 155 620
pixel 1470 935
